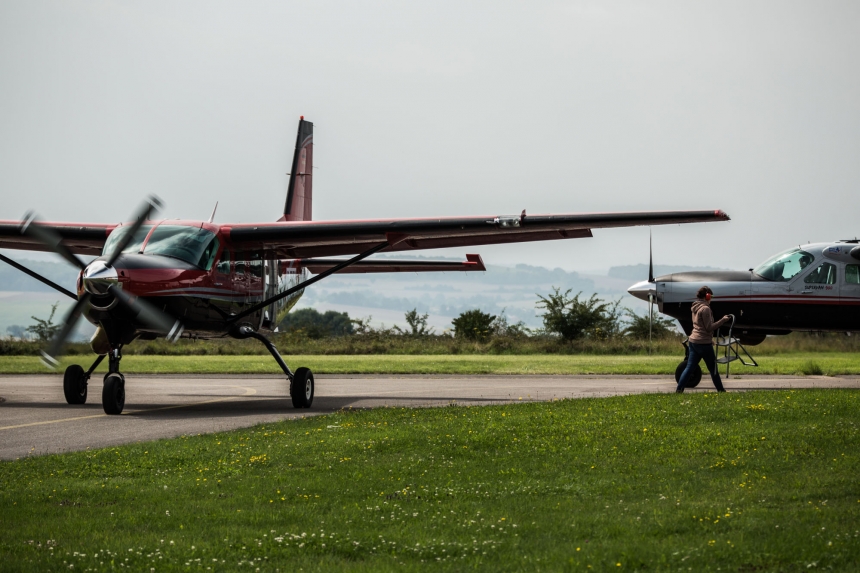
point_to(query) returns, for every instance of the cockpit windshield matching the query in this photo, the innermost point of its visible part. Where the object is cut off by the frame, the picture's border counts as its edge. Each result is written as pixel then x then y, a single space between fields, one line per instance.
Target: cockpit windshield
pixel 120 232
pixel 784 266
pixel 190 244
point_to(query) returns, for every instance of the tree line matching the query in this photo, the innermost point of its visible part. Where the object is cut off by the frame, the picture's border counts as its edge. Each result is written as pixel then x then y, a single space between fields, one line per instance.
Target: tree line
pixel 565 315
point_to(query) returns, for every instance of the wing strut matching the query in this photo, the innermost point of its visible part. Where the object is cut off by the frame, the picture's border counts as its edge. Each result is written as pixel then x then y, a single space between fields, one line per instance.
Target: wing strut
pixel 38 277
pixel 309 282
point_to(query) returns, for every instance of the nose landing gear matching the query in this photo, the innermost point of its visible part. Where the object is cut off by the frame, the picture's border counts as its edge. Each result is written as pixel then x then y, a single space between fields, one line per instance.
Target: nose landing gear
pixel 113 392
pixel 75 382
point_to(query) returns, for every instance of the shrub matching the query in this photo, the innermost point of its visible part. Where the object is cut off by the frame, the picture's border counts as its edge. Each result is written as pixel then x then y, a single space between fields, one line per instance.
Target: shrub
pixel 660 327
pixel 45 330
pixel 315 324
pixel 417 323
pixel 474 325
pixel 573 318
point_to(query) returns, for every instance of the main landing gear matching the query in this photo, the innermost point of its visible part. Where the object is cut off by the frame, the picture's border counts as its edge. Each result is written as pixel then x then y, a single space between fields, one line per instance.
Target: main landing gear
pixel 301 382
pixel 76 380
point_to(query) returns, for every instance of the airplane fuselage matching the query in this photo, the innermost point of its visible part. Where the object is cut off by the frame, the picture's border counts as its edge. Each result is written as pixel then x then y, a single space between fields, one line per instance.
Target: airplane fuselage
pixel 201 282
pixel 814 287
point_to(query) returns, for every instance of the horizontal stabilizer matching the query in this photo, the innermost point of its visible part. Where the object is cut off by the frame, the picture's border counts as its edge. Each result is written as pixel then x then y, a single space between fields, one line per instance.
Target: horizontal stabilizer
pixel 472 263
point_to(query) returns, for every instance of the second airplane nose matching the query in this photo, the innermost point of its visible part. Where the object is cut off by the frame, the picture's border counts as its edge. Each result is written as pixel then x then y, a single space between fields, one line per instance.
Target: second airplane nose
pixel 642 289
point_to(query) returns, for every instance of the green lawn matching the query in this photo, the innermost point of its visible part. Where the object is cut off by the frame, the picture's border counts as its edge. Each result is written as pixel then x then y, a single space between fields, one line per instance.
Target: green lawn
pixel 758 481
pixel 834 363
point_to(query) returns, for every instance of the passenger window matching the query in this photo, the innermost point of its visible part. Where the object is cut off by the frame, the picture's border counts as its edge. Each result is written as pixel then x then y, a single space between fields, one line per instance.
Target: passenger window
pixel 224 264
pixel 240 264
pixel 825 274
pixel 852 274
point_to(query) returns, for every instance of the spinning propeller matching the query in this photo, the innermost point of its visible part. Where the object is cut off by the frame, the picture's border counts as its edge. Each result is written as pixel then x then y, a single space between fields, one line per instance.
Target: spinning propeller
pixel 99 279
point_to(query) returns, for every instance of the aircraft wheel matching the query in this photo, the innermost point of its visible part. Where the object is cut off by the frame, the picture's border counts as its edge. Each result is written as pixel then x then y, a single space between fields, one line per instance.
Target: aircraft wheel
pixel 694 379
pixel 302 388
pixel 113 393
pixel 75 385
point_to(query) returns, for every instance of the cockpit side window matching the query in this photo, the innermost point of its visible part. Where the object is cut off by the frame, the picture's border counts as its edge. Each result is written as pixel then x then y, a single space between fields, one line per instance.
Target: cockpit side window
pixel 784 266
pixel 825 274
pixel 852 274
pixel 208 256
pixel 190 244
pixel 224 264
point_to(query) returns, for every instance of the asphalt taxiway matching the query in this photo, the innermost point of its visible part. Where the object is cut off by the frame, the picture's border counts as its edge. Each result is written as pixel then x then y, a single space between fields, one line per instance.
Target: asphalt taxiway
pixel 35 419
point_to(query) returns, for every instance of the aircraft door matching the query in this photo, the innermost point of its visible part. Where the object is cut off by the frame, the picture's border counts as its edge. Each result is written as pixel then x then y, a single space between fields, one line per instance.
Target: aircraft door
pixel 775 289
pixel 223 284
pixel 816 297
pixel 256 280
pixel 849 298
pixel 241 281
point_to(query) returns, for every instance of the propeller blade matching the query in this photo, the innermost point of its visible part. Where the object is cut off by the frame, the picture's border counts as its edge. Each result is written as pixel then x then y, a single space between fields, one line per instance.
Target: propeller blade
pixel 650 259
pixel 49 356
pixel 152 204
pixel 48 237
pixel 148 314
pixel 650 319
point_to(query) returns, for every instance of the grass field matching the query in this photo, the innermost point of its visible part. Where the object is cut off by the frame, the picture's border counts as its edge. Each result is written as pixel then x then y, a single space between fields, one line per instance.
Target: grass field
pixel 759 481
pixel 806 363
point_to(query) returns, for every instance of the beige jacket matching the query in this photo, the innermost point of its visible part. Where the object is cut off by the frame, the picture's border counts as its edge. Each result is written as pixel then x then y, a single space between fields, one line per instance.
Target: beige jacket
pixel 703 323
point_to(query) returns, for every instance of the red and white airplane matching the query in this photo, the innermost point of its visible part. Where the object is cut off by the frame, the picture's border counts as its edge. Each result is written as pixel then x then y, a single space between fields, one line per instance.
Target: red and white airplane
pixel 159 278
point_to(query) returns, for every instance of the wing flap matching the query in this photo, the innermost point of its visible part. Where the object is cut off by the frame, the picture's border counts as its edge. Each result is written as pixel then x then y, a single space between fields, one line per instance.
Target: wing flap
pixel 472 263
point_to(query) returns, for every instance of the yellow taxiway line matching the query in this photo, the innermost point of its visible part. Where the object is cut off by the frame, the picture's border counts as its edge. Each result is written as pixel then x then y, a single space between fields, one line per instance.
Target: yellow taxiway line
pixel 248 392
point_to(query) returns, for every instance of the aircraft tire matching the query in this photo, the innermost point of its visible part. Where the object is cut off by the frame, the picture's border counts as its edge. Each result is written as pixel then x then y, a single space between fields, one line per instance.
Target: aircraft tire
pixel 302 388
pixel 694 380
pixel 75 385
pixel 113 394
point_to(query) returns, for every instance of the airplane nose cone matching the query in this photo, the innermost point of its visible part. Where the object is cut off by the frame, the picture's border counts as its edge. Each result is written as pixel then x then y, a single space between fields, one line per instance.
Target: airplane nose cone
pixel 97 277
pixel 642 289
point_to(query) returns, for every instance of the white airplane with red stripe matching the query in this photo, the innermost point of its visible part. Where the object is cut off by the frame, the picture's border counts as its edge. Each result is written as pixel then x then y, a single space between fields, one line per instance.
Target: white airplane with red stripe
pixel 813 287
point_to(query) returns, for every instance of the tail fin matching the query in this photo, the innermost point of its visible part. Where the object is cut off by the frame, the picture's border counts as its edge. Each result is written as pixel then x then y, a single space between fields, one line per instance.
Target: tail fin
pixel 300 190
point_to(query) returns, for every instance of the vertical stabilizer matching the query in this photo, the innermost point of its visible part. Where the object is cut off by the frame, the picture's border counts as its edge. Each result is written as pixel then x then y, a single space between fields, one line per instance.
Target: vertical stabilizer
pixel 300 190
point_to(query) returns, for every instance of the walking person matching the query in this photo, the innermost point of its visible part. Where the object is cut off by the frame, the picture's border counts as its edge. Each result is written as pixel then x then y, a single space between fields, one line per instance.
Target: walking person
pixel 700 342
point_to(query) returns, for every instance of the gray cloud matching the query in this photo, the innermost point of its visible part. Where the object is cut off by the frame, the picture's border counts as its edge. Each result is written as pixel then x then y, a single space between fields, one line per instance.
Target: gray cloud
pixel 444 108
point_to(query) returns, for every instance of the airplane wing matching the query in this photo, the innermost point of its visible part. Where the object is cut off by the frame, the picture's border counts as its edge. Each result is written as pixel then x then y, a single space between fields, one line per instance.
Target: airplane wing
pixel 472 263
pixel 304 239
pixel 80 238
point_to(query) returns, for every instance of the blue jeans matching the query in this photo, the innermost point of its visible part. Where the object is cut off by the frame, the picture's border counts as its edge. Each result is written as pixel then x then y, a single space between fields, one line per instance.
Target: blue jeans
pixel 697 353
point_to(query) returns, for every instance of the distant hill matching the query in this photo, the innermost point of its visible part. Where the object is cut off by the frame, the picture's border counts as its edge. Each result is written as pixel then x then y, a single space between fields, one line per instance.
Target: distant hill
pixel 640 272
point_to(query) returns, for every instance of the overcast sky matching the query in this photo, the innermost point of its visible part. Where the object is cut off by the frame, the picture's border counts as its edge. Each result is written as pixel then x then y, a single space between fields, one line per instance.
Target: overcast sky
pixel 445 108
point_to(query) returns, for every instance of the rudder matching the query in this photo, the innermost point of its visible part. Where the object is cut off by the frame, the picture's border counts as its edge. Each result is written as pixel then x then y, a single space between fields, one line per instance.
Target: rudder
pixel 300 189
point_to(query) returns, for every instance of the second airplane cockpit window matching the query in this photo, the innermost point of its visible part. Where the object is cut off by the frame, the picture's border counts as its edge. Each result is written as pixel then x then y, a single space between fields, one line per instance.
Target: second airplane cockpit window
pixel 784 266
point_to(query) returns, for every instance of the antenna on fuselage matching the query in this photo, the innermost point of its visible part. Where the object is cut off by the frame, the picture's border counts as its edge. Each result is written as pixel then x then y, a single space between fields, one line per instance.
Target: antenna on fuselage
pixel 212 218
